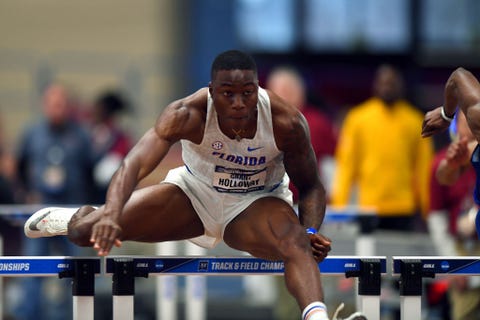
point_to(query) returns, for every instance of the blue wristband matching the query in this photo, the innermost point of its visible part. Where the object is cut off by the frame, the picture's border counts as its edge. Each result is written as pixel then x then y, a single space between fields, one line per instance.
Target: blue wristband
pixel 311 230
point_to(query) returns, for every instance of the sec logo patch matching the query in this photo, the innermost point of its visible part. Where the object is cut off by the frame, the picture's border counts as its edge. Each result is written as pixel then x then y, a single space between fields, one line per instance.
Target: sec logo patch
pixel 217 145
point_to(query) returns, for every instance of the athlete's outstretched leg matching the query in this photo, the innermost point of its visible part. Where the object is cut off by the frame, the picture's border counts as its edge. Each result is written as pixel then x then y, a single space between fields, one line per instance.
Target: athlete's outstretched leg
pixel 269 229
pixel 152 214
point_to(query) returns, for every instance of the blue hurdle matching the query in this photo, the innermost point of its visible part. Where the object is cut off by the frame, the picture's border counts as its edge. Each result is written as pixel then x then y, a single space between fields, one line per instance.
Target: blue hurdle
pixel 81 270
pixel 17 215
pixel 412 270
pixel 124 269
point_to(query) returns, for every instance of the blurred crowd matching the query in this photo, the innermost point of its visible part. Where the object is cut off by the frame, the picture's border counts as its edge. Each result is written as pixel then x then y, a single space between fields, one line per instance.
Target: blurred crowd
pixel 374 156
pixel 64 157
pixel 377 160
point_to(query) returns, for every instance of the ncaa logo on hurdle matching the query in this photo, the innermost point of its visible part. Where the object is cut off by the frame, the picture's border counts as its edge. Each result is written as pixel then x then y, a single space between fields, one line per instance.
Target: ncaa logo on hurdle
pixel 444 265
pixel 159 265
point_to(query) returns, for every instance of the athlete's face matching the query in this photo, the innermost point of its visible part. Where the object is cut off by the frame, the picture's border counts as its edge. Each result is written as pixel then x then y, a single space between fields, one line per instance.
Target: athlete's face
pixel 235 96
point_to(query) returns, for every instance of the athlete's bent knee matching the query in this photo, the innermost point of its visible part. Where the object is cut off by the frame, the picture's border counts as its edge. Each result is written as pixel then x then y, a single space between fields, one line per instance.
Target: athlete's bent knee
pixel 294 242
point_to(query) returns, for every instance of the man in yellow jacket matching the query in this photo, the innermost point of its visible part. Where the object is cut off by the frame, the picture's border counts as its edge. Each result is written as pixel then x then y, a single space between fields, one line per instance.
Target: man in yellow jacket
pixel 382 153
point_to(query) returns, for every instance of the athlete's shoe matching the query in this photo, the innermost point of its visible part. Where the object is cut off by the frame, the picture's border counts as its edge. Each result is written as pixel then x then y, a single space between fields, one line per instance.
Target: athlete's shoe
pixel 353 316
pixel 48 222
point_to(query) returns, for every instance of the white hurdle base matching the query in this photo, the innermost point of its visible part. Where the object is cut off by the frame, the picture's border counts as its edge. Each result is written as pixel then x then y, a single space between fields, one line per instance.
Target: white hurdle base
pixel 166 287
pixel 83 308
pixel 370 306
pixel 123 307
pixel 411 307
pixel 196 288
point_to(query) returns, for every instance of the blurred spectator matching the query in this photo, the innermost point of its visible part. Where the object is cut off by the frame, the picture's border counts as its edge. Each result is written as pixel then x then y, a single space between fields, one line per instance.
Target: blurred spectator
pixel 7 196
pixel 10 232
pixel 54 166
pixel 383 163
pixel 288 84
pixel 111 142
pixel 451 220
pixel 381 152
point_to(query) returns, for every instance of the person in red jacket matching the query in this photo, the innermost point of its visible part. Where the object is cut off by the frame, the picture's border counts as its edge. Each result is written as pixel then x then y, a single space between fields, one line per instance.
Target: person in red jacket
pixel 288 83
pixel 111 142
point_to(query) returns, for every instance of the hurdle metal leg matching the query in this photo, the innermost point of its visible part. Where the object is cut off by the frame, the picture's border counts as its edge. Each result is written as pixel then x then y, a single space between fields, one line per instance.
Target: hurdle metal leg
pixel 123 288
pixel 83 288
pixel 369 287
pixel 166 286
pixel 196 288
pixel 411 283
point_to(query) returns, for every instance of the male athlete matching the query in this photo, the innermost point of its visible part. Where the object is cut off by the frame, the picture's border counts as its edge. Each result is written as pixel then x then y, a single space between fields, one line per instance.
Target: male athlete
pixel 239 142
pixel 462 91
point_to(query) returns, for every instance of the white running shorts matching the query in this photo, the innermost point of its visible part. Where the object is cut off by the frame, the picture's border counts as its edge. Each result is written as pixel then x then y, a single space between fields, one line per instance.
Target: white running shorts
pixel 217 209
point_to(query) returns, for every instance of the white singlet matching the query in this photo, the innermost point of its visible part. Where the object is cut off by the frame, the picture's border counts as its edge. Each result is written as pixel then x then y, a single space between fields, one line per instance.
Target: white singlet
pixel 223 176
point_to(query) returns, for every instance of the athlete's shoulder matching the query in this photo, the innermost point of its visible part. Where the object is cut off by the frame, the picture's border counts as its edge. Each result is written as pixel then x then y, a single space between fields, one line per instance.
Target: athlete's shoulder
pixel 184 117
pixel 195 101
pixel 288 122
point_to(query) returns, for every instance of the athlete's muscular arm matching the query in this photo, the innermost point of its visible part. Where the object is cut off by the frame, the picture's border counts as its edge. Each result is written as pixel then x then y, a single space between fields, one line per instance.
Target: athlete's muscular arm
pixel 181 119
pixel 293 138
pixel 461 90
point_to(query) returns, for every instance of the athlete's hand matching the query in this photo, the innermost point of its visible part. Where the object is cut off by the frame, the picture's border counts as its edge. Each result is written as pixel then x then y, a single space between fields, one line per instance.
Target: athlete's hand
pixel 105 234
pixel 458 153
pixel 320 246
pixel 434 123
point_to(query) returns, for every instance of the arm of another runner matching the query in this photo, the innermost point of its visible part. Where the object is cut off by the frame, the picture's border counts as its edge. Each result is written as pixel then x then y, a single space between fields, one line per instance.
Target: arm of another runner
pixel 293 138
pixel 457 159
pixel 180 120
pixel 461 90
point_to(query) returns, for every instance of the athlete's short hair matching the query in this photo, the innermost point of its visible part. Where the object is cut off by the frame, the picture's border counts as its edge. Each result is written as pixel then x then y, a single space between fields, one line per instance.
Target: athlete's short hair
pixel 233 60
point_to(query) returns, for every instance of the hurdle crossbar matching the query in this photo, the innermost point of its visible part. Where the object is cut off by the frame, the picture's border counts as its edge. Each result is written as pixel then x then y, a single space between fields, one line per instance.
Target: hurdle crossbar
pixel 230 266
pixel 412 269
pixel 82 270
pixel 125 268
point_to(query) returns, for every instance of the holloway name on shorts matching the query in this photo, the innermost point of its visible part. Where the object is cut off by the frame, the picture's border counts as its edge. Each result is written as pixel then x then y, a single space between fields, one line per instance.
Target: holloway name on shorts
pixel 234 180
